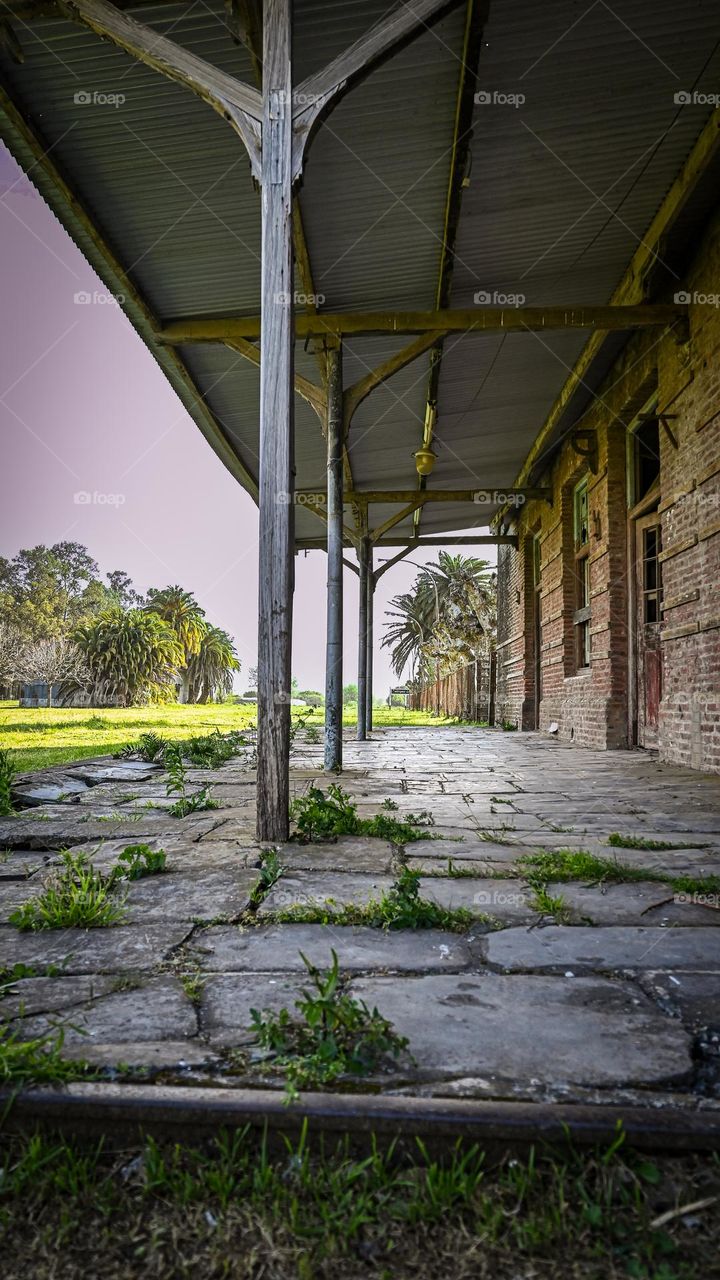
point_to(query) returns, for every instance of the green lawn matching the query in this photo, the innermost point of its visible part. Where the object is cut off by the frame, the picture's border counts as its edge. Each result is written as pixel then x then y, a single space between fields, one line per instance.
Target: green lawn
pixel 41 736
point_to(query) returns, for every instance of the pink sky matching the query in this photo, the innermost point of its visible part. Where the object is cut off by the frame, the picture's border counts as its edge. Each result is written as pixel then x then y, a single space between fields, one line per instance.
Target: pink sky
pixel 85 408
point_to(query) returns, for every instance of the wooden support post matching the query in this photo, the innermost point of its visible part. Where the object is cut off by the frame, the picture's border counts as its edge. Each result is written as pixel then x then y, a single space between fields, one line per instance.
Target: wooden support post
pixel 334 643
pixel 276 430
pixel 369 660
pixel 364 553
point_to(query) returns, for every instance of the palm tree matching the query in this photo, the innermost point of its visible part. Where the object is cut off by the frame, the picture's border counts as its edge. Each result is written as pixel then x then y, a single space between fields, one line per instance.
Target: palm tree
pixel 131 655
pixel 446 619
pixel 180 610
pixel 408 634
pixel 210 670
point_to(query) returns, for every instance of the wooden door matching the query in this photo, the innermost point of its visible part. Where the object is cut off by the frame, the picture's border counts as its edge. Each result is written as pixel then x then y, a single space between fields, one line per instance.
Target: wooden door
pixel 648 615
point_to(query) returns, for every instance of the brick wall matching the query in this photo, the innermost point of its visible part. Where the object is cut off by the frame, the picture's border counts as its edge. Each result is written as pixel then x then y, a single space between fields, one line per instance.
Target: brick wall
pixel 593 707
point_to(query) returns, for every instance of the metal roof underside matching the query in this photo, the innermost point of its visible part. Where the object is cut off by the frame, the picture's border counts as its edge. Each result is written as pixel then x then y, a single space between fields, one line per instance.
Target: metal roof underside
pixel 560 191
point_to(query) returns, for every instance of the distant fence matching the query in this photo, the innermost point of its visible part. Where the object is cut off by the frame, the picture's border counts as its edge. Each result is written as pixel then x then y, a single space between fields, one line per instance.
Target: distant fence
pixel 468 693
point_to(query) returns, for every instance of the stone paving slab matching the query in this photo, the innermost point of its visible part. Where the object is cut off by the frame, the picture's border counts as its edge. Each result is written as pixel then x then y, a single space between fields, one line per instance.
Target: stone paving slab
pixel 509 901
pixel 526 1028
pixel 228 998
pixel 331 890
pixel 637 902
pixel 348 853
pixel 272 948
pixel 693 997
pixel 201 894
pixel 49 995
pixel 155 1009
pixel 614 948
pixel 70 827
pixel 120 949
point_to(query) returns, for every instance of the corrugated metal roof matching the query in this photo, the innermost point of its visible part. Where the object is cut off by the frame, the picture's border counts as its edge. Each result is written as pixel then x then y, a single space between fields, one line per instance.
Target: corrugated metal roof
pixel 560 191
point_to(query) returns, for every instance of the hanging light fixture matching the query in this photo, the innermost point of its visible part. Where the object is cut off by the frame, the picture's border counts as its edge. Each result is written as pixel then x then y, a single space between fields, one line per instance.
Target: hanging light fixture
pixel 424 461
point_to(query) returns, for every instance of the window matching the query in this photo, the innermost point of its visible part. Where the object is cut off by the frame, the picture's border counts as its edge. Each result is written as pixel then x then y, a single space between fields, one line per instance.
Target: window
pixel 581 616
pixel 646 440
pixel 651 582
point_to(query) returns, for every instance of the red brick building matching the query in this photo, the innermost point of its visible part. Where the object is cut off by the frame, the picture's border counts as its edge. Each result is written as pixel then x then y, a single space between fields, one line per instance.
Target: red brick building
pixel 609 606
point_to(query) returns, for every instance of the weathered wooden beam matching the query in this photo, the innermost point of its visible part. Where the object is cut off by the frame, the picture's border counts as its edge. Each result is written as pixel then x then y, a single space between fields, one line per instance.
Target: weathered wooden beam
pixel 235 101
pixel 411 544
pixel 632 288
pixel 388 524
pixel 323 90
pixel 276 523
pixel 476 320
pixel 488 496
pixel 334 629
pixel 309 391
pixel 24 139
pixel 355 395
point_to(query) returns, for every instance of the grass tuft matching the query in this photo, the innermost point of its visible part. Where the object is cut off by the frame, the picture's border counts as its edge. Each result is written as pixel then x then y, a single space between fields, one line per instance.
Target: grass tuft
pixel 334 1035
pixel 318 816
pixel 619 841
pixel 571 864
pixel 74 897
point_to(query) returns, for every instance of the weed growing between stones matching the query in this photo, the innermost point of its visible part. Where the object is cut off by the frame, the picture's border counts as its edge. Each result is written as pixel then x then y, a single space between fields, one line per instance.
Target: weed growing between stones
pixel 7 773
pixel 400 908
pixel 639 842
pixel 212 750
pixel 149 747
pixel 333 1035
pixel 570 864
pixel 177 786
pixel 139 860
pixel 318 816
pixel 271 869
pixel 76 896
pixel 37 1061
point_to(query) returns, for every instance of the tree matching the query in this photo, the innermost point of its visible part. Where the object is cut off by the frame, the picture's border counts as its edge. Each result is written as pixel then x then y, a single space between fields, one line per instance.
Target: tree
pixel 350 694
pixel 210 670
pixel 55 660
pixel 132 655
pixel 180 610
pixel 121 588
pixel 447 618
pixel 46 591
pixel 11 646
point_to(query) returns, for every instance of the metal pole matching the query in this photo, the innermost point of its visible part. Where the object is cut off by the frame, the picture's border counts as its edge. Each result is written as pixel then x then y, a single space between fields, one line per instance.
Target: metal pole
pixel 364 557
pixel 369 660
pixel 276 524
pixel 334 642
